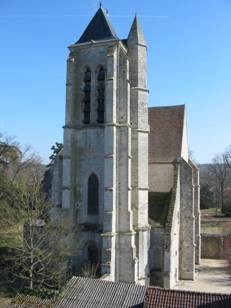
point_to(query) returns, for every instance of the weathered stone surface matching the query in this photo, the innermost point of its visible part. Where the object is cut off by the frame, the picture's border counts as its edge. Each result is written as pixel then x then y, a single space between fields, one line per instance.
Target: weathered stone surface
pixel 106 134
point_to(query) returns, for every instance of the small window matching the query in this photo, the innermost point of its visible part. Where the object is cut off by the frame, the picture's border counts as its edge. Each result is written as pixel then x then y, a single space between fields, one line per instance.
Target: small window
pixel 93 195
pixel 101 94
pixel 87 96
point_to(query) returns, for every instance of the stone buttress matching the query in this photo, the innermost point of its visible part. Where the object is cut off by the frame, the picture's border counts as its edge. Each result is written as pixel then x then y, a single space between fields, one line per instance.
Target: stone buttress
pixel 137 53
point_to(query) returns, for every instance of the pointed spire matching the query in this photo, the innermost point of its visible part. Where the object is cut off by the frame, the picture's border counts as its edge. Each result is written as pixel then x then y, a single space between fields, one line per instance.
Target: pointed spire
pixel 136 34
pixel 99 28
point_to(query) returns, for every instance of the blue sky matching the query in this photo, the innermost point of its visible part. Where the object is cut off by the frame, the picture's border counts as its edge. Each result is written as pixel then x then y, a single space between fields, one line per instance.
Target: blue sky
pixel 189 62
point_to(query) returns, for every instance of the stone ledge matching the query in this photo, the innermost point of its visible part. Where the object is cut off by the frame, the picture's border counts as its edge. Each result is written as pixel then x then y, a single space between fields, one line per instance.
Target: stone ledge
pixel 108 234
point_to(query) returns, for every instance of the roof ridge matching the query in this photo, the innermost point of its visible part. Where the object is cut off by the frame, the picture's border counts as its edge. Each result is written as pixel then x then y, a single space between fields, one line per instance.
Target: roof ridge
pixel 169 106
pixel 188 291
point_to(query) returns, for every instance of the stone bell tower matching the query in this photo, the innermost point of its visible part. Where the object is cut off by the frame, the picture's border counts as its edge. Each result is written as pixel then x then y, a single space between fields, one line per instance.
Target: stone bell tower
pixel 105 162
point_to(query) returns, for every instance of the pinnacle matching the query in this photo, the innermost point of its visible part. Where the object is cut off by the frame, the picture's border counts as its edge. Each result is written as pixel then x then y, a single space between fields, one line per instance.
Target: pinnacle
pixel 136 34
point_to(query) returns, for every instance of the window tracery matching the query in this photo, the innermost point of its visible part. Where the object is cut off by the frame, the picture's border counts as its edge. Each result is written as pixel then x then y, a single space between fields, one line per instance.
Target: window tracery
pixel 101 94
pixel 87 96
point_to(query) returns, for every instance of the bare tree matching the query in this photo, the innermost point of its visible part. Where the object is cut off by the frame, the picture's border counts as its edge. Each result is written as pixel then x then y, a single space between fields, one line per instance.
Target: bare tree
pixel 219 171
pixel 18 163
pixel 43 259
pixel 227 157
pixel 19 167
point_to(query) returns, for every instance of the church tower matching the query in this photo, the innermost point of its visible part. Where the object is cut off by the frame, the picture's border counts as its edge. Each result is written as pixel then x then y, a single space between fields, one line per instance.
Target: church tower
pixel 105 156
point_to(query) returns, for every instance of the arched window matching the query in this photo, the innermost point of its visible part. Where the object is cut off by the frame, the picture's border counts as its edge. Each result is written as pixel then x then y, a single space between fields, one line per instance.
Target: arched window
pixel 93 195
pixel 101 94
pixel 93 256
pixel 87 96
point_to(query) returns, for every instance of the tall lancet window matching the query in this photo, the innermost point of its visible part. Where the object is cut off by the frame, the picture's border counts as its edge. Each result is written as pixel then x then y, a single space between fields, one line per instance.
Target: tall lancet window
pixel 87 96
pixel 100 94
pixel 93 195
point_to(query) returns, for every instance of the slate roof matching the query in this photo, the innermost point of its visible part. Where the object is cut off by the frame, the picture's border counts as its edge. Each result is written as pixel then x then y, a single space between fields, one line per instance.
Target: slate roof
pixel 161 298
pixel 99 28
pixel 166 132
pixel 86 292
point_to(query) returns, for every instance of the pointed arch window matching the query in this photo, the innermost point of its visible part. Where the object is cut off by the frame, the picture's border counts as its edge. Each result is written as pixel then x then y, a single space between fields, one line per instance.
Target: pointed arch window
pixel 87 96
pixel 100 94
pixel 93 195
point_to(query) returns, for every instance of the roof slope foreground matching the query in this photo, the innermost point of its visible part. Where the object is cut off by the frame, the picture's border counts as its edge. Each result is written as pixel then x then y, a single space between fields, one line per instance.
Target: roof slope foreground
pixel 87 292
pixel 164 298
pixel 99 28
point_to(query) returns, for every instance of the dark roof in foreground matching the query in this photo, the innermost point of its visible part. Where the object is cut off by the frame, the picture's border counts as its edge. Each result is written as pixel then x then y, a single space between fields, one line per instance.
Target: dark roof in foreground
pixel 95 293
pixel 166 132
pixel 99 28
pixel 87 292
pixel 161 298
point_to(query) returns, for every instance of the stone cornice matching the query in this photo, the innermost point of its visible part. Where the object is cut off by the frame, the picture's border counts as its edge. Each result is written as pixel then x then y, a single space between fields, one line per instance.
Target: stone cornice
pixel 161 163
pixel 92 43
pixel 139 89
pixel 108 234
pixel 95 126
pixel 140 188
pixel 143 228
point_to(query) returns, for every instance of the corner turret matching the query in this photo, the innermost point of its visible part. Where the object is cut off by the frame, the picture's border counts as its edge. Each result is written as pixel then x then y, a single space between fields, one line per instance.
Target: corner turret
pixel 137 52
pixel 136 35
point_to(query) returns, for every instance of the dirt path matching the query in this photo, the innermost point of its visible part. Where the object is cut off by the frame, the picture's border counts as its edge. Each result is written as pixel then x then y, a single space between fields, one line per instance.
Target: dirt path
pixel 211 276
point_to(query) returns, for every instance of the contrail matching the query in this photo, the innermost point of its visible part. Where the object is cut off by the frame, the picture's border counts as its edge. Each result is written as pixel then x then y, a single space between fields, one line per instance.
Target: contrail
pixel 75 15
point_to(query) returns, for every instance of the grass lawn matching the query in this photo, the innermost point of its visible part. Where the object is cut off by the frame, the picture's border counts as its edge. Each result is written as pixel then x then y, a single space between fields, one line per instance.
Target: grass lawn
pixel 216 227
pixel 212 224
pixel 4 300
pixel 211 212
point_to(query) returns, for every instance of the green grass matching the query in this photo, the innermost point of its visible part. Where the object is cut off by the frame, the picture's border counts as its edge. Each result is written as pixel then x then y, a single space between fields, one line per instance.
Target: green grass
pixel 212 224
pixel 211 212
pixel 4 300
pixel 216 227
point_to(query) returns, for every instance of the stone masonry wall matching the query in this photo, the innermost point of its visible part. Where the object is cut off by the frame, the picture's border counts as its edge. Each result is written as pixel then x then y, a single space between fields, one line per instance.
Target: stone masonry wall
pixel 171 235
pixel 187 223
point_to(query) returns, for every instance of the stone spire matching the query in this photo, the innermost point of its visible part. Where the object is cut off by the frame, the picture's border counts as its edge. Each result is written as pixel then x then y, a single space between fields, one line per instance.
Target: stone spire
pixel 136 34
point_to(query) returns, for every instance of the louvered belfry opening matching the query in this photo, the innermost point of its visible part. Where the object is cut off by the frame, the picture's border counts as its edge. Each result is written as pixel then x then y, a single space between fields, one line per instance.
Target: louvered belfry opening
pixel 87 96
pixel 93 255
pixel 93 195
pixel 100 94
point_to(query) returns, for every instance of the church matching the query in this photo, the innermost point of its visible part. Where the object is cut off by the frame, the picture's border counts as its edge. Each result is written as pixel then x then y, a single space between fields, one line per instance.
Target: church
pixel 124 175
